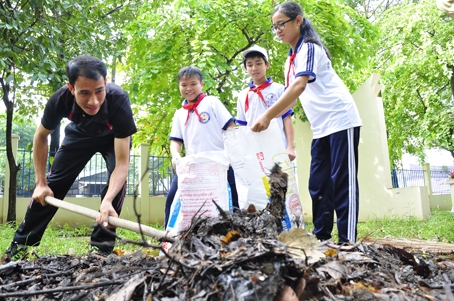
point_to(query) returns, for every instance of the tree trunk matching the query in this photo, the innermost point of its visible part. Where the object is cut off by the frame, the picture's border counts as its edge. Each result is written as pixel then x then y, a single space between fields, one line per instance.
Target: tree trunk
pixel 114 69
pixel 452 82
pixel 13 167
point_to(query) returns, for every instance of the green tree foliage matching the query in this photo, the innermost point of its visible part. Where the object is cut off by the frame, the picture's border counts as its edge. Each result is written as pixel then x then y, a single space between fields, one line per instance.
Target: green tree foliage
pixel 37 38
pixel 25 131
pixel 372 10
pixel 417 67
pixel 211 35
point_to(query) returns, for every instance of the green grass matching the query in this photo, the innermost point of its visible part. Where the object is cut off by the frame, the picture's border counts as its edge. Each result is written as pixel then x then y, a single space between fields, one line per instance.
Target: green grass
pixel 438 227
pixel 64 240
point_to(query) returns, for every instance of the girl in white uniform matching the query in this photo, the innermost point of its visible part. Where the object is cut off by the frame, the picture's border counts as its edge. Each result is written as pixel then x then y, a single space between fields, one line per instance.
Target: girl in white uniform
pixel 334 120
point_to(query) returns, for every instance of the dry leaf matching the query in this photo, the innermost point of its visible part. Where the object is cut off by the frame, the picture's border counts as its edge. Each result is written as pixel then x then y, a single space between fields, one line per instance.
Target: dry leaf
pixel 231 235
pixel 118 252
pixel 301 245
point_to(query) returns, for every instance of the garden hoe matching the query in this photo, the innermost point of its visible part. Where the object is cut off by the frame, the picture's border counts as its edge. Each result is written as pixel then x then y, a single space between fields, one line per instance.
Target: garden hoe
pixel 114 221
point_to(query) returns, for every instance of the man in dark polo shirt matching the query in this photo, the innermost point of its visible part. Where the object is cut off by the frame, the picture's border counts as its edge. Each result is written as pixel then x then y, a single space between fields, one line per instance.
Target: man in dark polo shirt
pixel 101 121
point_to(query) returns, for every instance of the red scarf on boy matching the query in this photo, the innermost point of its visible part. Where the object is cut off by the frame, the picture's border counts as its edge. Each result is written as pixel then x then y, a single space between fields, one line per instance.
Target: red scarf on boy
pixel 257 90
pixel 193 107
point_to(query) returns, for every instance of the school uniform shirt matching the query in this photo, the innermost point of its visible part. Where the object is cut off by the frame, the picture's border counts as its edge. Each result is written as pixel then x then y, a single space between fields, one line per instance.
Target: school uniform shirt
pixel 114 118
pixel 256 106
pixel 205 134
pixel 326 101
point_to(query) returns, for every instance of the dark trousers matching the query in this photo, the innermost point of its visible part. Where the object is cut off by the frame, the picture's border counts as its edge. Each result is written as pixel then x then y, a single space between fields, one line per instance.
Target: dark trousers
pixel 333 184
pixel 75 152
pixel 174 187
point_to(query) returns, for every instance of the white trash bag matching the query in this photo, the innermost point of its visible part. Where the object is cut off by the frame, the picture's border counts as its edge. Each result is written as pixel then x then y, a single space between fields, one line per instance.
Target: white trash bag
pixel 252 155
pixel 202 179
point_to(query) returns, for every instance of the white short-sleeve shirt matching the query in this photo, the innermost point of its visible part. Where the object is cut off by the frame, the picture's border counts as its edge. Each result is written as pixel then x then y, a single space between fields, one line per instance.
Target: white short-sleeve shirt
pixel 256 106
pixel 328 104
pixel 201 135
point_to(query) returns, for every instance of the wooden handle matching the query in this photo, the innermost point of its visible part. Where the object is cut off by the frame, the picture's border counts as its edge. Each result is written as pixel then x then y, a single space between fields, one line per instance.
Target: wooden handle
pixel 114 221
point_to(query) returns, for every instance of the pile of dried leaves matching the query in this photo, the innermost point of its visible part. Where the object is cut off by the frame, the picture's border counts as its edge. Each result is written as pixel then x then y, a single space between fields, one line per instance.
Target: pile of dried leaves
pixel 237 256
pixel 215 260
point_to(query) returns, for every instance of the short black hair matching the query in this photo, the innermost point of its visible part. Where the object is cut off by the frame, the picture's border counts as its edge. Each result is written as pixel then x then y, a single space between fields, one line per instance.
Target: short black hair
pixel 86 66
pixel 254 54
pixel 188 72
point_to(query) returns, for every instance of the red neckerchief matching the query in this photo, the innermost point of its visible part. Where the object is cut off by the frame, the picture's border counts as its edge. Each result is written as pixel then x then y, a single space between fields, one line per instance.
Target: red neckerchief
pixel 257 90
pixel 291 65
pixel 193 107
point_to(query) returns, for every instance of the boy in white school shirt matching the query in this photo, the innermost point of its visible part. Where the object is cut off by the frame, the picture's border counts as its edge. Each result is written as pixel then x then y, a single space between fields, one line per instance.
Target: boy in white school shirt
pixel 198 125
pixel 261 94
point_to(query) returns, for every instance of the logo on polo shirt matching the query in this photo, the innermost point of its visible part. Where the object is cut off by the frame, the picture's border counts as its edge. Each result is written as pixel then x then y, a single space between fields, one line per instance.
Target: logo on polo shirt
pixel 270 99
pixel 205 117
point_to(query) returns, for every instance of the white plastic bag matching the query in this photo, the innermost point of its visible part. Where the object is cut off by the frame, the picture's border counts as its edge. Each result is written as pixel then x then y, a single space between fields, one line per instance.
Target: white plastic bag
pixel 202 179
pixel 252 155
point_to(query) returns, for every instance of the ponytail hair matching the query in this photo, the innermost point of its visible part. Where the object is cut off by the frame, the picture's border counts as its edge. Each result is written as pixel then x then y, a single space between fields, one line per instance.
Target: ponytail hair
pixel 293 10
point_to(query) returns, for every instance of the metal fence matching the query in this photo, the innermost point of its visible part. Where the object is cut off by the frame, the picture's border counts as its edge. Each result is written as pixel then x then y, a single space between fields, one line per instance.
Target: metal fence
pixel 415 177
pixel 93 177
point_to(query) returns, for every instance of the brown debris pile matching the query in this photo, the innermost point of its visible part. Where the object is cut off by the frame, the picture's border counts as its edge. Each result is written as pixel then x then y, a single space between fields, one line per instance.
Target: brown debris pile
pixel 237 256
pixel 228 259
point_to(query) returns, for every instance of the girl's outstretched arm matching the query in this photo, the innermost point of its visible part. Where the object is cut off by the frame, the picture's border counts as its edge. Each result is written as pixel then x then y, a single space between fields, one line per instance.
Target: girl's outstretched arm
pixel 284 103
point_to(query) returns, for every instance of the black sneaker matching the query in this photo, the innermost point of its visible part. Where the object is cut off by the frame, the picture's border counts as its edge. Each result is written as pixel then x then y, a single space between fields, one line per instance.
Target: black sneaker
pixel 98 251
pixel 16 251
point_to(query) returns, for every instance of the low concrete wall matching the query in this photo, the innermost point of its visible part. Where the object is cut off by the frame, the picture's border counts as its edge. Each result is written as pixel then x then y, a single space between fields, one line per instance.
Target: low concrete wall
pixel 151 210
pixel 440 201
pixel 408 201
